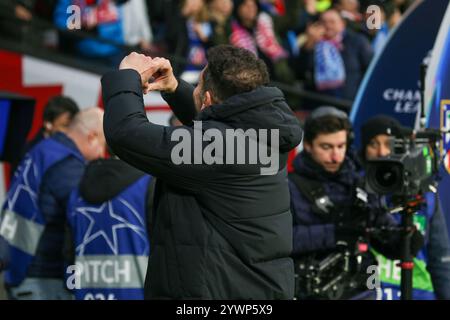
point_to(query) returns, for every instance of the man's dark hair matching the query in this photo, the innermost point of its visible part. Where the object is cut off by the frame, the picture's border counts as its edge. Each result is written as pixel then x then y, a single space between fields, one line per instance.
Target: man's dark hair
pixel 172 120
pixel 325 125
pixel 59 105
pixel 335 10
pixel 231 71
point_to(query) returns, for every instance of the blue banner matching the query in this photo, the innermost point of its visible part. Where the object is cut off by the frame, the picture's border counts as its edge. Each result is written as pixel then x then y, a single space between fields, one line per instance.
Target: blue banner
pixel 391 85
pixel 5 106
pixel 438 115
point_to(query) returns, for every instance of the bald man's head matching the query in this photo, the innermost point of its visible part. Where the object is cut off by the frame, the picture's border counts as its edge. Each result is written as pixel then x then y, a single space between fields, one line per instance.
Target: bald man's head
pixel 86 130
pixel 87 119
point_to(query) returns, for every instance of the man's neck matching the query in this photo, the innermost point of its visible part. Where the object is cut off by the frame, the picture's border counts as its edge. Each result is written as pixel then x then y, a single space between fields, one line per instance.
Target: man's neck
pixel 76 139
pixel 338 37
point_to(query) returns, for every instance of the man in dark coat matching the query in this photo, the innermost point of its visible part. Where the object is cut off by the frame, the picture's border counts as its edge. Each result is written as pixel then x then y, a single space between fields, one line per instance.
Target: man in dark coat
pixel 222 229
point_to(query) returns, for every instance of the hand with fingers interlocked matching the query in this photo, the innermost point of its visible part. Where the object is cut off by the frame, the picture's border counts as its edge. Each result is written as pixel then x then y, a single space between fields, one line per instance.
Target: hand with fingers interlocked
pixel 156 73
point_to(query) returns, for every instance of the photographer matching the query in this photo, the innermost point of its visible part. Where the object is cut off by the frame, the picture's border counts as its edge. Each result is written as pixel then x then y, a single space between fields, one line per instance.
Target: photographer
pixel 431 277
pixel 332 213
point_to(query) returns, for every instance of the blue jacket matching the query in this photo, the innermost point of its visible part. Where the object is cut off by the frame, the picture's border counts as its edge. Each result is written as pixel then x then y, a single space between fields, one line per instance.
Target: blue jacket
pixel 356 55
pixel 36 205
pixel 112 31
pixel 109 217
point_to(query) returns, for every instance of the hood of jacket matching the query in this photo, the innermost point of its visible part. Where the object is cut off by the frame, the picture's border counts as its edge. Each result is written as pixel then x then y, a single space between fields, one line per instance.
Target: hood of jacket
pixel 106 178
pixel 262 108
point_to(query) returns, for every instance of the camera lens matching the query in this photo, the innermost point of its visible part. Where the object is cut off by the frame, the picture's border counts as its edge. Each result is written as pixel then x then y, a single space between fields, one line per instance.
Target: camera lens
pixel 386 177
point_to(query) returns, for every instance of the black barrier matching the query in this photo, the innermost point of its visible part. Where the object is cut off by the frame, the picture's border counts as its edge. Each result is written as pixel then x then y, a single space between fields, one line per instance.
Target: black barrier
pixel 16 117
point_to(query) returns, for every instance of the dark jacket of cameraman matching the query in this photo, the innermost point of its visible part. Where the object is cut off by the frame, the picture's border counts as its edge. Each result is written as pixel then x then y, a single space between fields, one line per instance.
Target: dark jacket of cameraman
pixel 317 236
pixel 217 232
pixel 312 232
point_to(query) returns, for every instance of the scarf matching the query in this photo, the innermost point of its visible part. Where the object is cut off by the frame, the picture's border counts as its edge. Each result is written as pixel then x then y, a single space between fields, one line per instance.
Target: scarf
pixel 262 38
pixel 329 69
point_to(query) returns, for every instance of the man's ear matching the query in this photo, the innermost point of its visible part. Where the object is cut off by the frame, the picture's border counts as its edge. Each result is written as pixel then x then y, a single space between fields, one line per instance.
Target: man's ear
pixel 307 146
pixel 48 125
pixel 207 99
pixel 91 136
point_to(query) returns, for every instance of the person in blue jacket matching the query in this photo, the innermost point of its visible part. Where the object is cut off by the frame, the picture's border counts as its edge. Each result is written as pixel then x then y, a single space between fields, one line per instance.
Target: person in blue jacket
pixel 332 213
pixel 431 273
pixel 32 220
pixel 103 19
pixel 109 219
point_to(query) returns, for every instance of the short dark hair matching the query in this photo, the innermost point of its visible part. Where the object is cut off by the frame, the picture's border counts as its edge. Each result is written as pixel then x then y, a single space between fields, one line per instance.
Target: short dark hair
pixel 335 10
pixel 59 105
pixel 231 70
pixel 172 120
pixel 325 125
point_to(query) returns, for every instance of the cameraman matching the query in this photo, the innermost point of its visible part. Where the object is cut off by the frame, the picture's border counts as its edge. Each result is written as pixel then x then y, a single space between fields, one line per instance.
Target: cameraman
pixel 325 189
pixel 431 277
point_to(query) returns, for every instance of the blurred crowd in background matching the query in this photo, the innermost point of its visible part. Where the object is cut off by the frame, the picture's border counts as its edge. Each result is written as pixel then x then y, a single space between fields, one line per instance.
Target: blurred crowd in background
pixel 315 46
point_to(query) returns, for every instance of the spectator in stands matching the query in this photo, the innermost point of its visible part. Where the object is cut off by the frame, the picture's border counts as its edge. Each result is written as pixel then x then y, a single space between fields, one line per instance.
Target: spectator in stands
pixel 136 25
pixel 14 18
pixel 38 199
pixel 333 59
pixel 309 13
pixel 188 35
pixel 350 12
pixel 101 18
pixel 391 16
pixel 160 13
pixel 28 21
pixel 220 17
pixel 254 30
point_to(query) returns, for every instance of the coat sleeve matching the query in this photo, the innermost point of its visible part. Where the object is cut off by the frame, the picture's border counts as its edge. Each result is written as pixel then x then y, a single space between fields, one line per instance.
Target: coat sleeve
pixel 137 141
pixel 312 238
pixel 182 102
pixel 308 237
pixel 386 242
pixel 439 254
pixel 365 53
